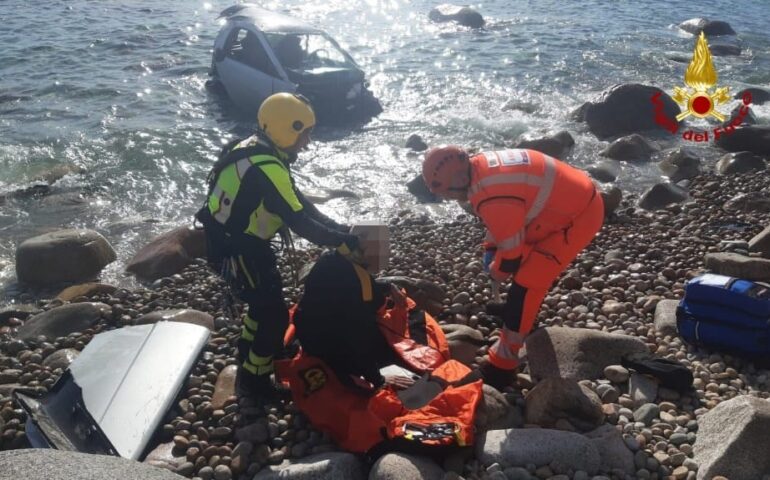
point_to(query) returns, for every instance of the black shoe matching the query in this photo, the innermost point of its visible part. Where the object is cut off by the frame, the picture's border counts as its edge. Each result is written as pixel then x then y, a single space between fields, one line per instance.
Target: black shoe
pixel 259 387
pixel 497 377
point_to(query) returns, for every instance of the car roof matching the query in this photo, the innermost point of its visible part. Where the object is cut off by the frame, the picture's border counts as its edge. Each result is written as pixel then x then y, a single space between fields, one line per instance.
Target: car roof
pixel 266 20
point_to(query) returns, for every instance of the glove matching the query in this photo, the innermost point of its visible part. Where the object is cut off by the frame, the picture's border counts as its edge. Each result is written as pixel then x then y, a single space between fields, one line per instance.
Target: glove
pixel 489 255
pixel 350 246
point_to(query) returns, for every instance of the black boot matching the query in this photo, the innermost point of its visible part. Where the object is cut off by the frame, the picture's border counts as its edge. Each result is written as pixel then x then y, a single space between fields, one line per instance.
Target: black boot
pixel 259 387
pixel 497 377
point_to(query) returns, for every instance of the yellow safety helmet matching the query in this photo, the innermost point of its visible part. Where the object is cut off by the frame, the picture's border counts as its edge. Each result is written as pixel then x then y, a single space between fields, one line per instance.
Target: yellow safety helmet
pixel 284 116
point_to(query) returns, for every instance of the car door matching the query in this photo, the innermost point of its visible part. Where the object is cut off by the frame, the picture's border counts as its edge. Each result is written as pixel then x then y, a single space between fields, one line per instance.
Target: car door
pixel 247 70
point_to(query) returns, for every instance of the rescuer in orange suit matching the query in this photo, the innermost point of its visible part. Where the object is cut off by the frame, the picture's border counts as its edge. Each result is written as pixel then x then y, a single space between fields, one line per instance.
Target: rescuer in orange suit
pixel 540 213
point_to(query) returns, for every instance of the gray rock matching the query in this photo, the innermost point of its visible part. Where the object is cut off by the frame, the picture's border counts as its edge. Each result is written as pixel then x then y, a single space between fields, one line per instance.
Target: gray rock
pixel 168 254
pixel 733 439
pixel 20 311
pixel 749 202
pixel 61 321
pixel 62 256
pixel 746 118
pixel 633 147
pixel 187 315
pixel 761 243
pixel 616 373
pixel 521 447
pixel 463 341
pixel 517 473
pixel 735 265
pixel 323 466
pixel 740 162
pixel 758 96
pixel 681 164
pixel 61 358
pixel 665 317
pixel 417 187
pixel 465 16
pixel 753 138
pixel 661 195
pixel 612 449
pixel 558 145
pixel 605 170
pixel 642 389
pixel 416 143
pixel 556 399
pixel 709 27
pixel 577 353
pixel 495 413
pixel 612 199
pixel 163 457
pixel 53 464
pixel 625 109
pixel 400 466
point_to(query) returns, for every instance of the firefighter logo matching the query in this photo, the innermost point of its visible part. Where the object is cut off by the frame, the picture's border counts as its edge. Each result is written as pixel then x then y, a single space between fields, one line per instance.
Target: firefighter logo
pixel 698 98
pixel 314 378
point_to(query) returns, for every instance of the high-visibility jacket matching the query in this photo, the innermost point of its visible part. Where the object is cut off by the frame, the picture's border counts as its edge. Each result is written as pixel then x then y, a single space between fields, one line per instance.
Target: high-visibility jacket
pixel 523 196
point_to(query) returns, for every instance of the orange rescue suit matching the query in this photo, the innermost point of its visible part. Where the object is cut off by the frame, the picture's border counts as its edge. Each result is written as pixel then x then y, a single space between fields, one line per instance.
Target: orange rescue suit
pixel 540 213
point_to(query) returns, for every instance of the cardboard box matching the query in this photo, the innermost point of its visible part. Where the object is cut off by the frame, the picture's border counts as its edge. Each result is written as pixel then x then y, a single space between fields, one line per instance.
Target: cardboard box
pixel 375 242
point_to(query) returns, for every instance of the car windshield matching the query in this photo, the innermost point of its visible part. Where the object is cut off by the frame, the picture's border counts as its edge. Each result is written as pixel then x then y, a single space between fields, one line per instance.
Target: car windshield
pixel 307 51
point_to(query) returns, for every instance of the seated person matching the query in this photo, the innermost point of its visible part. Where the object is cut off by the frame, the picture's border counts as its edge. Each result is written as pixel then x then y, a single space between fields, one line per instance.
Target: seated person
pixel 290 52
pixel 336 321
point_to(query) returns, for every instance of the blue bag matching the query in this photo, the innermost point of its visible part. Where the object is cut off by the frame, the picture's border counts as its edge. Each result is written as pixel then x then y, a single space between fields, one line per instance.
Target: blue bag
pixel 726 313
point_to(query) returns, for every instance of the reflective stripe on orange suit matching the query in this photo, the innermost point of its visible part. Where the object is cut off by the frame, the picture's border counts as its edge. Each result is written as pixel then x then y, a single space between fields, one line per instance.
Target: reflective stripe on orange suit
pixel 540 212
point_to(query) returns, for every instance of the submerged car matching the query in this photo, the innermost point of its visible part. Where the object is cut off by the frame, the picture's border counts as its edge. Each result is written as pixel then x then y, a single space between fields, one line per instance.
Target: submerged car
pixel 259 52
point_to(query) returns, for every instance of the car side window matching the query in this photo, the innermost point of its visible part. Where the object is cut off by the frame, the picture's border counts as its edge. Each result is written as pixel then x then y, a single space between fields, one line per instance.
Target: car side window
pixel 245 47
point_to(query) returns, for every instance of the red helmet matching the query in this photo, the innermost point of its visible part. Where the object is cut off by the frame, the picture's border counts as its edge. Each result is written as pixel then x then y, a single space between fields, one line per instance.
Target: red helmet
pixel 445 168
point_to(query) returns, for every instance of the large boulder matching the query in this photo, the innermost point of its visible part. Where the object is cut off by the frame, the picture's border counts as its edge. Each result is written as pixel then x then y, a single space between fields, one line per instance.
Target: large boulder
pixel 740 162
pixel 612 449
pixel 661 195
pixel 63 320
pixel 186 315
pixel 463 341
pixel 681 164
pixel 749 202
pixel 733 439
pixel 577 353
pixel 740 266
pixel 558 145
pixel 495 412
pixel 538 446
pixel 62 256
pixel 556 400
pixel 605 170
pixel 465 16
pixel 323 466
pixel 758 95
pixel 625 109
pixel 711 28
pixel 417 187
pixel 416 143
pixel 665 317
pixel 612 198
pixel 633 147
pixel 760 243
pixel 168 254
pixel 753 138
pixel 53 464
pixel 400 466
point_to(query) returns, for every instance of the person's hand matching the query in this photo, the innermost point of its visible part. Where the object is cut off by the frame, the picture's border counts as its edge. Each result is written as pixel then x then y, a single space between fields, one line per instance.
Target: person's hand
pixel 350 245
pixel 399 382
pixel 398 296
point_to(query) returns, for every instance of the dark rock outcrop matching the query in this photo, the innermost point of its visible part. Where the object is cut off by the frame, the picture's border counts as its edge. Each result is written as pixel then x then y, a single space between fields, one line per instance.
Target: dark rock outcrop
pixel 755 139
pixel 740 162
pixel 168 254
pixel 711 28
pixel 681 164
pixel 558 145
pixel 465 16
pixel 660 195
pixel 630 148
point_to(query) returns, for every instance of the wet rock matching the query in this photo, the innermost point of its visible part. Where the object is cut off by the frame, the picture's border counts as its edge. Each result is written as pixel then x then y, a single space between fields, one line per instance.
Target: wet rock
pixel 417 187
pixel 633 147
pixel 625 109
pixel 740 162
pixel 612 449
pixel 735 265
pixel 711 28
pixel 749 202
pixel 681 164
pixel 665 317
pixel 62 256
pixel 642 389
pixel 225 387
pixel 536 446
pixel 555 399
pixel 760 243
pixel 61 321
pixel 323 466
pixel 163 457
pixel 661 195
pixel 558 145
pixel 400 466
pixel 416 143
pixel 168 254
pixel 605 170
pixel 464 16
pixel 725 49
pixel 732 439
pixel 577 353
pixel 612 199
pixel 194 317
pixel 61 358
pixel 740 119
pixel 495 413
pixel 463 341
pixel 53 464
pixel 85 290
pixel 759 96
pixel 754 139
pixel 20 311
